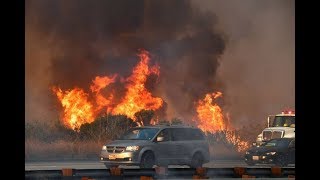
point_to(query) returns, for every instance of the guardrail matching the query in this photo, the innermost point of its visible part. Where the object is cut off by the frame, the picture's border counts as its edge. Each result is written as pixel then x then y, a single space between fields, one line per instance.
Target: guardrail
pixel 163 173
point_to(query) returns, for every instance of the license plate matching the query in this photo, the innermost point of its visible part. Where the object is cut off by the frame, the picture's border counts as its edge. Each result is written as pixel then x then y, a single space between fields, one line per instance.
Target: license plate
pixel 255 157
pixel 112 156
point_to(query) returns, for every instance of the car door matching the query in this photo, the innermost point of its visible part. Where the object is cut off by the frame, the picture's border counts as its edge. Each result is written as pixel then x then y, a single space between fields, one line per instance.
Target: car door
pixel 164 149
pixel 292 152
pixel 182 145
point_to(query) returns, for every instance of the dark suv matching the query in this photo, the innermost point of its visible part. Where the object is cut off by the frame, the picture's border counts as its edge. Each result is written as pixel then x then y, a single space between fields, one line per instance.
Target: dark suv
pixel 158 145
pixel 280 151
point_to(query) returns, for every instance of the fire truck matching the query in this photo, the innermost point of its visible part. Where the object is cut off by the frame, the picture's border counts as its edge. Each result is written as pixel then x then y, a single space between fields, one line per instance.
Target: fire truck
pixel 279 126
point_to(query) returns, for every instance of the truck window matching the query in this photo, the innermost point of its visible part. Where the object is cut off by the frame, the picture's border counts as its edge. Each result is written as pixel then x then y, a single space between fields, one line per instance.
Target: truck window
pixel 284 121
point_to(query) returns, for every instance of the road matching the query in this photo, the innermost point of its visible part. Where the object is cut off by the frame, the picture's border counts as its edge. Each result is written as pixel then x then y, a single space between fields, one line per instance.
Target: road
pixel 97 165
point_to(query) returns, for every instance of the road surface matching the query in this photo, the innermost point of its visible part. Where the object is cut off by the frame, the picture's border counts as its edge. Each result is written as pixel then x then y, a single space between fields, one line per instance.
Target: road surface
pixel 58 165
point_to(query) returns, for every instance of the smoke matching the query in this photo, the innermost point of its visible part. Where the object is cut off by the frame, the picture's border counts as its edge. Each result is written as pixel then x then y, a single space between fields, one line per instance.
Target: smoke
pixel 258 65
pixel 245 49
pixel 68 43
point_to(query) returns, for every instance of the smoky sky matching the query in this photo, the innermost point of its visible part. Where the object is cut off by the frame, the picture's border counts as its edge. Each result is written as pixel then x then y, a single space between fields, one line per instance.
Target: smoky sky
pixel 258 64
pixel 245 49
pixel 68 43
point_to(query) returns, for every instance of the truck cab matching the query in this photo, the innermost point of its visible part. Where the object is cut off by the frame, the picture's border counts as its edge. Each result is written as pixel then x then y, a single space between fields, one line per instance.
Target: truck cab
pixel 279 126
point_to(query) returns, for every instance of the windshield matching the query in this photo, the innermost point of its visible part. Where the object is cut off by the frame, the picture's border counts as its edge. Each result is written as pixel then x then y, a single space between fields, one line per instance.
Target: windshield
pixel 284 121
pixel 277 143
pixel 139 134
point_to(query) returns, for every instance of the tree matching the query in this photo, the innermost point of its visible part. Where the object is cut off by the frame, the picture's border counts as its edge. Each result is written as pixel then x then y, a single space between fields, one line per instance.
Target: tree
pixel 106 127
pixel 144 116
pixel 176 121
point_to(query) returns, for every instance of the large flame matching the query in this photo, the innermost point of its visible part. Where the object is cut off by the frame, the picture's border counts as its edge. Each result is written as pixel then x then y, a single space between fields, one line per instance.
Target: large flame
pixel 137 96
pixel 78 109
pixel 211 119
pixel 209 114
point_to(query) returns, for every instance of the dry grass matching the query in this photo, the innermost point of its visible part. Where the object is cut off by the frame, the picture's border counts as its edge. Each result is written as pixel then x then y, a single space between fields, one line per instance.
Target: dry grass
pixel 61 149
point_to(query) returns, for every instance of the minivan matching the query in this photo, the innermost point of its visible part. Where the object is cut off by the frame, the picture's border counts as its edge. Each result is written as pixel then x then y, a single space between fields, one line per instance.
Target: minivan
pixel 160 145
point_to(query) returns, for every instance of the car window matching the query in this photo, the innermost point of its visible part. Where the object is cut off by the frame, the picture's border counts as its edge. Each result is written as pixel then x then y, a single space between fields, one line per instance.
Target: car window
pixel 179 134
pixel 139 134
pixel 184 134
pixel 193 134
pixel 292 144
pixel 165 133
pixel 277 142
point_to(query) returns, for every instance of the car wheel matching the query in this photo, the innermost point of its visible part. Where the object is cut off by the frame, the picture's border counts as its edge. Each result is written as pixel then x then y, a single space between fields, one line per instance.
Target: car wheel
pixel 282 161
pixel 147 160
pixel 197 160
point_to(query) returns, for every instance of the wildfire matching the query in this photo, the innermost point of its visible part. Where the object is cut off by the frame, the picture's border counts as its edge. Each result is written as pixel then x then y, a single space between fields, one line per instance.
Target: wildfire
pixel 211 119
pixel 137 96
pixel 78 109
pixel 98 84
pixel 210 115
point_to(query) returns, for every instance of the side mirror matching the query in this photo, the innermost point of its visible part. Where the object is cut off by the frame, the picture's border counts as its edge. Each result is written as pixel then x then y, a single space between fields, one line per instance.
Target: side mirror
pixel 160 139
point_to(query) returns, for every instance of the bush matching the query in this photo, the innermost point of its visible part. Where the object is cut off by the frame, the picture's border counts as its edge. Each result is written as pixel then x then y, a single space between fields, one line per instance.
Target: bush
pixel 47 132
pixel 106 127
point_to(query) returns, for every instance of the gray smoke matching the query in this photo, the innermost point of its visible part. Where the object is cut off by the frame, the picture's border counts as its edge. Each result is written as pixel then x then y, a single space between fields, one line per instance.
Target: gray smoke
pixel 258 65
pixel 68 43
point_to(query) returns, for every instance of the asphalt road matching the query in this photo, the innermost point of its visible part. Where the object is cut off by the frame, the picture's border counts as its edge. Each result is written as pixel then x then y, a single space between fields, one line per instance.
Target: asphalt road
pixel 97 165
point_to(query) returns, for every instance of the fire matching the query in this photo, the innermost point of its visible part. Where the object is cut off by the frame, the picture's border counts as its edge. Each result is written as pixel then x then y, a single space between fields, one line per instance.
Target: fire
pixel 210 115
pixel 235 139
pixel 137 96
pixel 211 119
pixel 99 83
pixel 77 109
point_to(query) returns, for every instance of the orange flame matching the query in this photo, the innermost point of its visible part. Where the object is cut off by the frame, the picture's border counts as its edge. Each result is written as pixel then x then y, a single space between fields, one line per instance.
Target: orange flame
pixel 77 109
pixel 211 119
pixel 210 115
pixel 98 84
pixel 137 97
pixel 235 139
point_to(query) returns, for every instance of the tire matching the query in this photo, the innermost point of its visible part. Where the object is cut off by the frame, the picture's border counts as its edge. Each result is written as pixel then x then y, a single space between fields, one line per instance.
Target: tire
pixel 147 160
pixel 197 160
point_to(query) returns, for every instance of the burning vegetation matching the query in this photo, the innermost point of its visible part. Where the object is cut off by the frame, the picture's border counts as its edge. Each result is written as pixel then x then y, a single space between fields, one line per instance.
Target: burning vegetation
pixel 212 120
pixel 79 110
pixel 96 73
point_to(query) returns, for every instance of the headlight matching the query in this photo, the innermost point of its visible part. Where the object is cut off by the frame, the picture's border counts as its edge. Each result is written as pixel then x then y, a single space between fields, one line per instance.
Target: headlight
pixel 271 153
pixel 104 147
pixel 247 152
pixel 132 148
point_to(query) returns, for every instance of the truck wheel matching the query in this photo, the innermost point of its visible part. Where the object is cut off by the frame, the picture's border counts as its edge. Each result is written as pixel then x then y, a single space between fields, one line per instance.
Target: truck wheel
pixel 197 160
pixel 147 160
